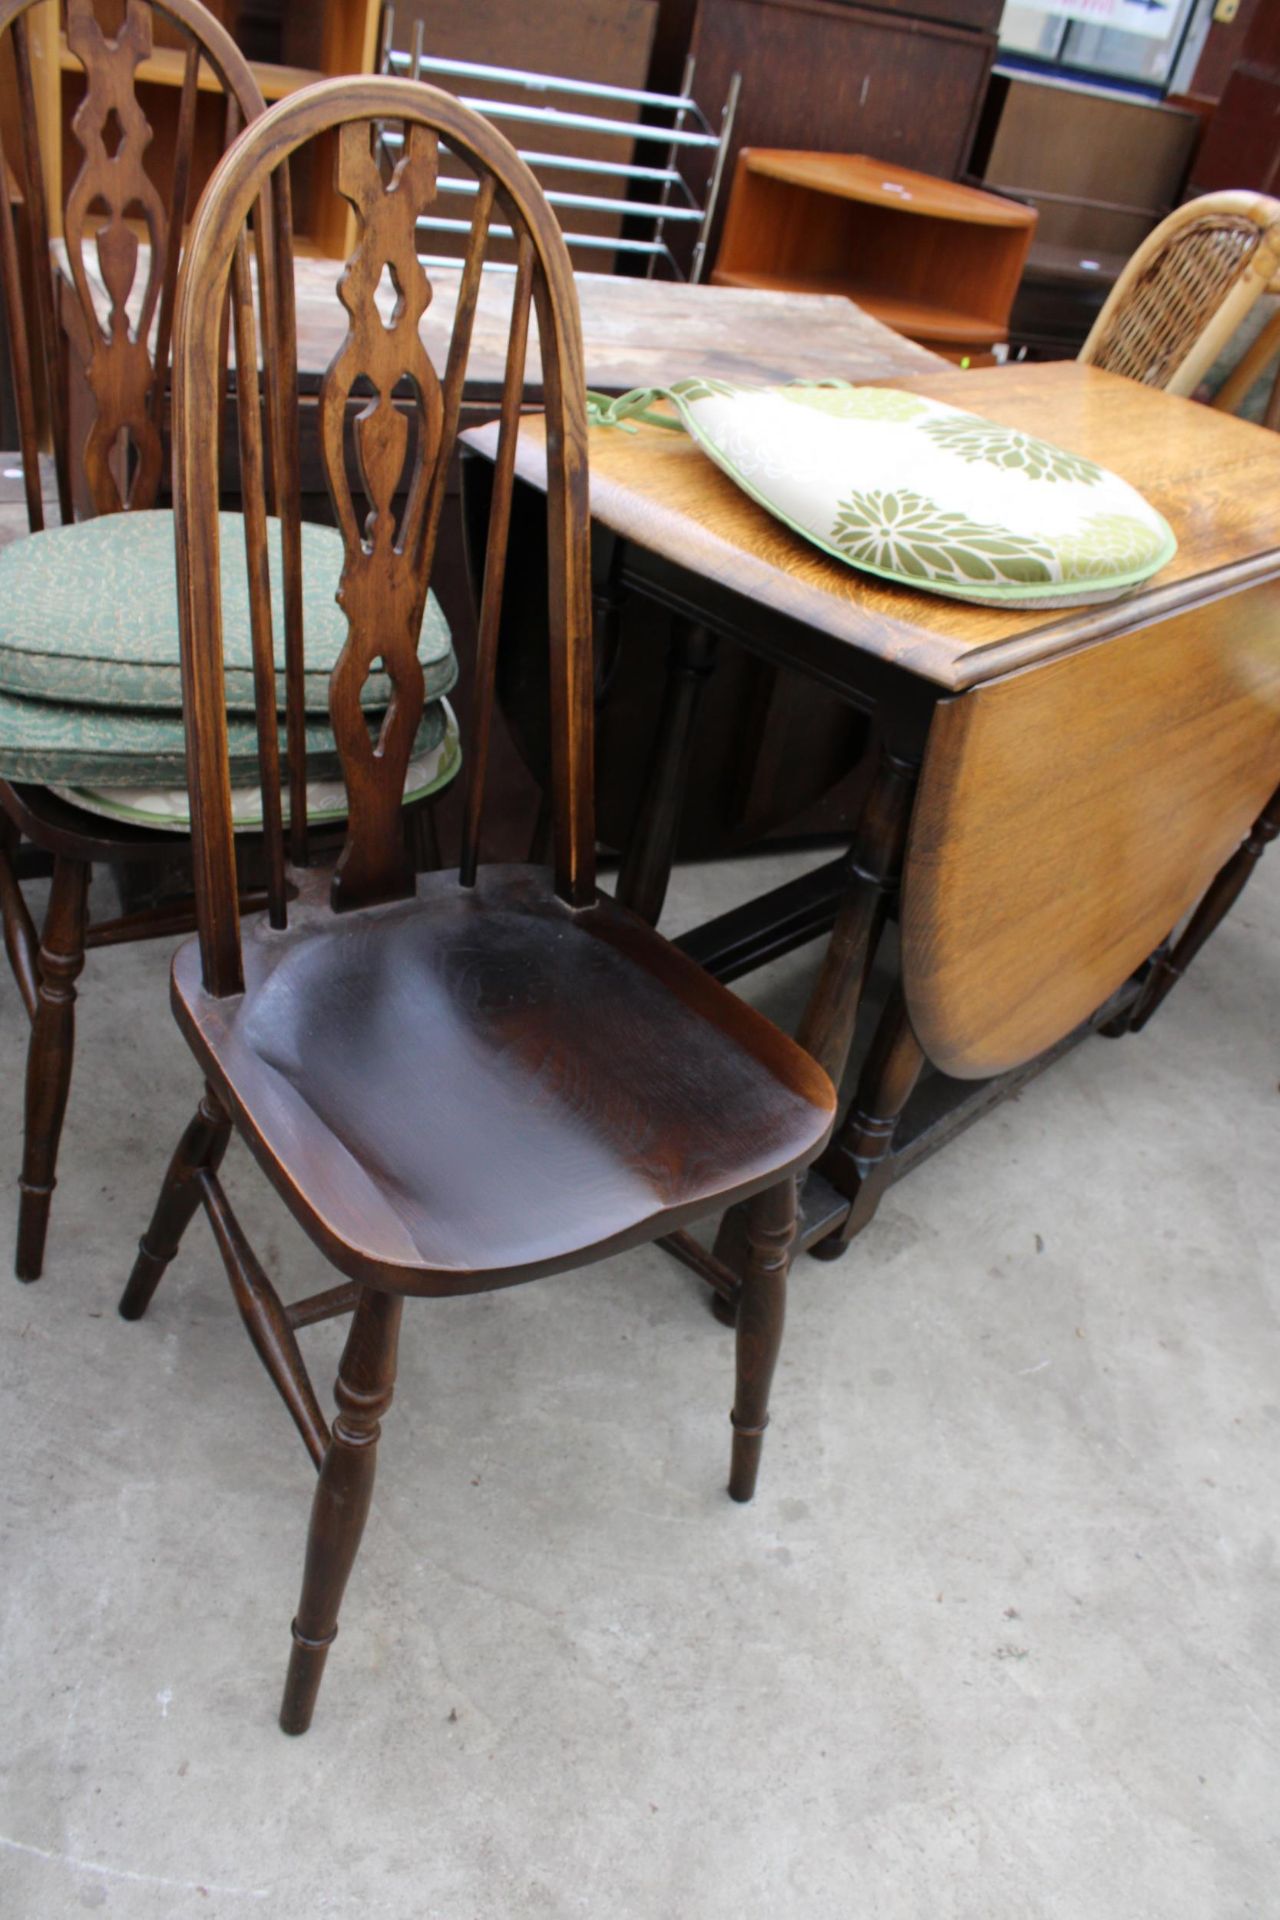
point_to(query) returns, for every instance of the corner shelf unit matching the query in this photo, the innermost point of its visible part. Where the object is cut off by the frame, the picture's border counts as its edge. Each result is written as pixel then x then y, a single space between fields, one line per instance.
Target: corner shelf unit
pixel 935 261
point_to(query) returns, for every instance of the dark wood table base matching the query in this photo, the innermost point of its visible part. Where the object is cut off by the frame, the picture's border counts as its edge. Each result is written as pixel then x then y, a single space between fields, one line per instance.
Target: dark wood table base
pixel 837 1201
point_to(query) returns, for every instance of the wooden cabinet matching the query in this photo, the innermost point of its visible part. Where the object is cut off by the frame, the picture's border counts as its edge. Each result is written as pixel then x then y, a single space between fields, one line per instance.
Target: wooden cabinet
pixel 933 260
pixel 314 40
pixel 1102 168
pixel 905 85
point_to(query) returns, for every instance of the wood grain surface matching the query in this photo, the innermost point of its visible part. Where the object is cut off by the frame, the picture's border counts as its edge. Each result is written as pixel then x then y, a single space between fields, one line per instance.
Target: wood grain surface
pixel 636 333
pixel 1067 818
pixel 856 176
pixel 644 333
pixel 1215 479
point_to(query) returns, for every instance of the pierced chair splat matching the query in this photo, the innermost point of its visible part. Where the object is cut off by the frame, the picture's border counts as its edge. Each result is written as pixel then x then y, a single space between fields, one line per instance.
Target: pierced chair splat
pixel 91 745
pixel 455 1081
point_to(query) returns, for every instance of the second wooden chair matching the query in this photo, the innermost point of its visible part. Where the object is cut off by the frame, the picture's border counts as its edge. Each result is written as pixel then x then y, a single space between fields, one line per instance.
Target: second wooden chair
pixel 90 694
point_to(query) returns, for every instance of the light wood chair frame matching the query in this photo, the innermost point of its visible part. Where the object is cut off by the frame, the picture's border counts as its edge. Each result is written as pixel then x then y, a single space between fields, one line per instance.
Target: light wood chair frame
pixel 1250 223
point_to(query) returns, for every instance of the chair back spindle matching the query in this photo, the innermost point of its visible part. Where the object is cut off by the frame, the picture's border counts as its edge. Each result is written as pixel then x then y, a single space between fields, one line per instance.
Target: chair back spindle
pixel 257 570
pixel 387 424
pixel 495 560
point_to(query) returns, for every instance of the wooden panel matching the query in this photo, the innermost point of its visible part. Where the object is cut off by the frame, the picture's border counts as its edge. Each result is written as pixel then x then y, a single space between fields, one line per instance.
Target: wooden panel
pixel 639 334
pixel 1087 145
pixel 833 77
pixel 1240 147
pixel 1215 479
pixel 1224 44
pixel 982 15
pixel 1067 818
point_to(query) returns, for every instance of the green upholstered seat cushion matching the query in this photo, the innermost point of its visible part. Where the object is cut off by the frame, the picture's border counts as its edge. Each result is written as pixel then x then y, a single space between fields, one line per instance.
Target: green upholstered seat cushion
pixel 59 745
pixel 89 614
pixel 169 809
pixel 923 494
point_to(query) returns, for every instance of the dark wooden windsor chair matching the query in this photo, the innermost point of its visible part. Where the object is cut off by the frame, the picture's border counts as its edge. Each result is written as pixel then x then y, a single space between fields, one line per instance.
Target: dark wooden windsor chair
pixel 103 359
pixel 455 1081
pixel 118 468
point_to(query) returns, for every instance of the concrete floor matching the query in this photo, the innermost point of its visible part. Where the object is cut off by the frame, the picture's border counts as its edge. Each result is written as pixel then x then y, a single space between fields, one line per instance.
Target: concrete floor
pixel 999 1638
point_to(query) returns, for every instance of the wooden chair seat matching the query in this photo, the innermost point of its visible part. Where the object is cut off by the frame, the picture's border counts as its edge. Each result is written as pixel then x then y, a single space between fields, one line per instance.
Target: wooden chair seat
pixel 416 1079
pixel 59 826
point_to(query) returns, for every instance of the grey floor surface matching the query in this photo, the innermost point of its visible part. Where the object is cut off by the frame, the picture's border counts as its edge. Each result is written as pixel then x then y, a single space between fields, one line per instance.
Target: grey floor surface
pixel 999 1637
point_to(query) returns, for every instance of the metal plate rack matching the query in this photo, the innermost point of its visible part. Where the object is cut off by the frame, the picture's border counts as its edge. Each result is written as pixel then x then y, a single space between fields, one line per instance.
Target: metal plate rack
pixel 650 197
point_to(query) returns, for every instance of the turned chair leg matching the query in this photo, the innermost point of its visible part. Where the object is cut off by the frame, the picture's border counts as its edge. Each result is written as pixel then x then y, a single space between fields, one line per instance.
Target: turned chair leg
pixel 366 1379
pixel 200 1149
pixel 762 1307
pixel 58 963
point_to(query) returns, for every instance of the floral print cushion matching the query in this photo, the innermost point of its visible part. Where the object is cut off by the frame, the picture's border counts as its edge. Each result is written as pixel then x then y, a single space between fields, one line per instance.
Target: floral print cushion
pixel 169 809
pixel 89 615
pixel 922 493
pixel 59 745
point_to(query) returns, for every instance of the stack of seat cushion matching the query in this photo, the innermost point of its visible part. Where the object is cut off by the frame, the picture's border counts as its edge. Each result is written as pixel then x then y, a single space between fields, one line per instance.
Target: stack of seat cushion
pixel 91 686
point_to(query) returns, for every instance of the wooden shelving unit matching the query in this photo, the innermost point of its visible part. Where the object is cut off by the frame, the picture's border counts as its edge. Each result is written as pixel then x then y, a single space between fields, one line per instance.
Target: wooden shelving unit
pixel 318 38
pixel 936 261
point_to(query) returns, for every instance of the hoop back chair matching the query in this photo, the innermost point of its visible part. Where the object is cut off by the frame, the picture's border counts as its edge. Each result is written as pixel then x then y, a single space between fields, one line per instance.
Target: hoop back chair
pixel 1186 290
pixel 98 329
pixel 455 1081
pixel 118 465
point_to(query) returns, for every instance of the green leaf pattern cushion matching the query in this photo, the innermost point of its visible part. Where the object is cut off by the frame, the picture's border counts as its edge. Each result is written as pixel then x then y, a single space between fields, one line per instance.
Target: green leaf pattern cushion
pixel 89 614
pixel 169 809
pixel 924 494
pixel 56 744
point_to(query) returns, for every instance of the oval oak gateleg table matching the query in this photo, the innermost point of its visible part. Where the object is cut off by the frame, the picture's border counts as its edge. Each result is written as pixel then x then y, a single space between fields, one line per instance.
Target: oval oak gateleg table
pixel 636 333
pixel 1052 790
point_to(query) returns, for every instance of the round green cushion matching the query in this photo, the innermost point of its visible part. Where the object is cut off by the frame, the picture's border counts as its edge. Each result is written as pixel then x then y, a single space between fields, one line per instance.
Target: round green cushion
pixel 59 745
pixel 89 614
pixel 168 810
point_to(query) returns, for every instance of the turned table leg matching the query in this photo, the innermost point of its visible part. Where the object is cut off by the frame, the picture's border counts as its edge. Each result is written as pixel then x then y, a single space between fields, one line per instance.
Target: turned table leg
pixel 1224 890
pixel 647 863
pixel 857 1161
pixel 827 1025
pixel 875 866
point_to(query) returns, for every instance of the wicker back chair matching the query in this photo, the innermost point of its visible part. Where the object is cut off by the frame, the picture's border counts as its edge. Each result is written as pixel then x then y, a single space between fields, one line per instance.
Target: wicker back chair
pixel 1186 290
